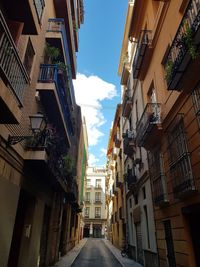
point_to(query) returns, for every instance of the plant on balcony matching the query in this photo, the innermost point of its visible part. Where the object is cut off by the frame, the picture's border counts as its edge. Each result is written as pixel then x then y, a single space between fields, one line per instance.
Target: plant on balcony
pixel 169 69
pixel 68 165
pixel 188 41
pixel 51 54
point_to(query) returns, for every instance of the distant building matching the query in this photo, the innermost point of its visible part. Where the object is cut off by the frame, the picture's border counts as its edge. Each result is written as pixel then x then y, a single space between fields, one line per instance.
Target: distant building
pixel 95 215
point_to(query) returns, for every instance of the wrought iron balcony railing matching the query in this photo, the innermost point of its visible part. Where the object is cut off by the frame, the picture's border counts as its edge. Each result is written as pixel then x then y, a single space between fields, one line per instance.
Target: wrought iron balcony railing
pixel 183 180
pixel 50 73
pixel 127 103
pixel 131 180
pixel 12 70
pixel 151 116
pixel 129 143
pixel 144 41
pixel 184 45
pixel 97 201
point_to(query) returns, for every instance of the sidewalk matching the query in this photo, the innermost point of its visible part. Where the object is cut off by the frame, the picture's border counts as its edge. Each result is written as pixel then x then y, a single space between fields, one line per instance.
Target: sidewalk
pixel 124 261
pixel 70 257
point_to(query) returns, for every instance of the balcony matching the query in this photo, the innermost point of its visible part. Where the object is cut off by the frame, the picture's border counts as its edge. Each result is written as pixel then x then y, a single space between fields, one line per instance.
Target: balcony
pixel 131 180
pixel 125 73
pixel 159 190
pixel 114 153
pixel 183 180
pixel 117 141
pixel 56 36
pixel 87 201
pixel 46 154
pixel 97 216
pixel 97 201
pixel 129 143
pixel 142 54
pixel 183 49
pixel 72 191
pixel 52 85
pixel 62 8
pixel 127 104
pixel 29 12
pixel 149 126
pixel 12 70
pixel 98 186
pixel 118 180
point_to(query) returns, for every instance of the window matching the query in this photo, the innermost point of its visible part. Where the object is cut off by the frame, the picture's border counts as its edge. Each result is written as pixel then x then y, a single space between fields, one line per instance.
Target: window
pixel 147 224
pixel 136 199
pixel 169 244
pixel 196 102
pixel 158 178
pixel 97 196
pixel 88 183
pixel 144 192
pixel 130 203
pixel 39 6
pixel 87 212
pixel 97 212
pixel 179 157
pixel 98 183
pixel 29 56
pixel 87 196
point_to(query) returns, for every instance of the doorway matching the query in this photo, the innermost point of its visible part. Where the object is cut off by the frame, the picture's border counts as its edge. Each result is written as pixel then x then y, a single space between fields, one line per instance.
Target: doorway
pixel 97 231
pixel 23 217
pixel 194 222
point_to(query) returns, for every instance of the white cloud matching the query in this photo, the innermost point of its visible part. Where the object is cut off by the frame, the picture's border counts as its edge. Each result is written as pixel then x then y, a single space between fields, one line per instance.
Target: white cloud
pixel 103 151
pixel 92 160
pixel 89 92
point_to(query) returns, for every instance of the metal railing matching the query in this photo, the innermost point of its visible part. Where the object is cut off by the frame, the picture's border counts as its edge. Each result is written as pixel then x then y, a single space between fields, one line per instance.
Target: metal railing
pixel 150 116
pixel 144 41
pixel 129 142
pixel 49 73
pixel 11 67
pixel 183 181
pixel 127 102
pixel 58 25
pixel 183 42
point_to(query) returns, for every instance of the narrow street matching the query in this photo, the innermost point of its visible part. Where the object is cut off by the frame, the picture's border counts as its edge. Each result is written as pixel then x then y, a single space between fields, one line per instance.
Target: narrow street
pixel 95 253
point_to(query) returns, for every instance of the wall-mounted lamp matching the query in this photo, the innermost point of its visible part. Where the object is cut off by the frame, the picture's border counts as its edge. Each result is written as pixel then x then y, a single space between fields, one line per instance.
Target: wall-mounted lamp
pixel 37 123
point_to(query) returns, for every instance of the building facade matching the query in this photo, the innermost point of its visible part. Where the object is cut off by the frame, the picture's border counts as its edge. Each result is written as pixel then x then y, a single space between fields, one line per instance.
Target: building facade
pixel 164 38
pixel 95 215
pixel 141 236
pixel 115 186
pixel 38 162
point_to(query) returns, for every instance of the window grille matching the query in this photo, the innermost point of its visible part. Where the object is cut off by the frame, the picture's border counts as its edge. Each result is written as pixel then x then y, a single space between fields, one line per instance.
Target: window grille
pixel 196 102
pixel 179 157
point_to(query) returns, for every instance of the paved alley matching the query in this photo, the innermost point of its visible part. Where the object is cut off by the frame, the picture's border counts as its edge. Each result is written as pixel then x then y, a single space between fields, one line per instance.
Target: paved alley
pixel 95 253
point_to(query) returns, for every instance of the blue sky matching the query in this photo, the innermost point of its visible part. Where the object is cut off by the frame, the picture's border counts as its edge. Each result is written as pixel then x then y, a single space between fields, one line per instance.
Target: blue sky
pixel 97 86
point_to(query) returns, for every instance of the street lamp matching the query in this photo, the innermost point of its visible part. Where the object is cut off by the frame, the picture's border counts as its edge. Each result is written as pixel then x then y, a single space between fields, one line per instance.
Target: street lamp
pixel 37 123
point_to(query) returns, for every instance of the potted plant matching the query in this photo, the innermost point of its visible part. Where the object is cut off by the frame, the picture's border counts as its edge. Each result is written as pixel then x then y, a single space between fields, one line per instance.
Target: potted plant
pixel 51 54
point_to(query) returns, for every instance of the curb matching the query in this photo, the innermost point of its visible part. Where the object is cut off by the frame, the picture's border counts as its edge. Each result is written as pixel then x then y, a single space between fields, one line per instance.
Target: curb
pixel 79 250
pixel 115 254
